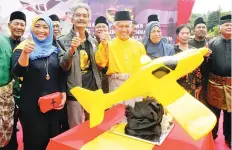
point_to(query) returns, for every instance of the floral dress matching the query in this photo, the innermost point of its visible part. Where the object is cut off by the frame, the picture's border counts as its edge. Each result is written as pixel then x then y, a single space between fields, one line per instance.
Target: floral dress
pixel 193 81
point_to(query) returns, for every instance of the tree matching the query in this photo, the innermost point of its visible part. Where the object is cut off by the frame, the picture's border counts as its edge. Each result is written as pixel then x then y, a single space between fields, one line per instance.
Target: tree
pixel 214 32
pixel 213 19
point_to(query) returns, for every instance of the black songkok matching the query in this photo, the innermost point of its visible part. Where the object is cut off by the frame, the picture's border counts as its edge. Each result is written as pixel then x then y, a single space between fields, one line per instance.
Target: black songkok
pixel 225 19
pixel 101 19
pixel 199 21
pixel 54 17
pixel 122 16
pixel 153 17
pixel 18 15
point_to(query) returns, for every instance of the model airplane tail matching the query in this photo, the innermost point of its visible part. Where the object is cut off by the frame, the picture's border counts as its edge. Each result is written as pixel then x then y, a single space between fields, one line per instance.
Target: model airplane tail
pixel 93 102
pixel 157 79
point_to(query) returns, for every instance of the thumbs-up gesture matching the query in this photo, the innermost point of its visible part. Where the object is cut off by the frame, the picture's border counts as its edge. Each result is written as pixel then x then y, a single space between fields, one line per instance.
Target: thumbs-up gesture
pixel 104 38
pixel 29 45
pixel 209 51
pixel 76 42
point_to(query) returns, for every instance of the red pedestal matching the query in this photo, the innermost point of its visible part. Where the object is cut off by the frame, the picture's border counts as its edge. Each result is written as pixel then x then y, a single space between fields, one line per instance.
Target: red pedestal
pixel 77 137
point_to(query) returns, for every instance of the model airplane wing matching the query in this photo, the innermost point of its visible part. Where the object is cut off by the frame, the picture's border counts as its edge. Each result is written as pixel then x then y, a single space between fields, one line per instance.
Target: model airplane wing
pixel 190 113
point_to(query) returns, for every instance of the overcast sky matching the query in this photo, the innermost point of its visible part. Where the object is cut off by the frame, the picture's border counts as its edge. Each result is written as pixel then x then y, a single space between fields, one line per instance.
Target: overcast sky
pixel 203 6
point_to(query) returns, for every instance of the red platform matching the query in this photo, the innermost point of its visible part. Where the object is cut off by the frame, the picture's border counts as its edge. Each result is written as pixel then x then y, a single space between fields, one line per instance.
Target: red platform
pixel 77 137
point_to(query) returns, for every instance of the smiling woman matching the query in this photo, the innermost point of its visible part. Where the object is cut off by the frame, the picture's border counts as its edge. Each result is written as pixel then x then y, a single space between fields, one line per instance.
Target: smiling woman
pixel 36 60
pixel 41 30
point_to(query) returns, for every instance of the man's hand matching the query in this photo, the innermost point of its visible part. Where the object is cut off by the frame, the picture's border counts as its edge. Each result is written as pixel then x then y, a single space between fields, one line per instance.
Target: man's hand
pixel 209 51
pixel 76 42
pixel 104 38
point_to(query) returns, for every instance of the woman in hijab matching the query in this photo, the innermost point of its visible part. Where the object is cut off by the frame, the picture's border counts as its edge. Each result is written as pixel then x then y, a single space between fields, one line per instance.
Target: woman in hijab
pixel 36 61
pixel 155 45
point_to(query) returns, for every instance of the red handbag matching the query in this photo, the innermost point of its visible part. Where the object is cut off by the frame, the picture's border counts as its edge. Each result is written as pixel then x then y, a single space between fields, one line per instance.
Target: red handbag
pixel 50 102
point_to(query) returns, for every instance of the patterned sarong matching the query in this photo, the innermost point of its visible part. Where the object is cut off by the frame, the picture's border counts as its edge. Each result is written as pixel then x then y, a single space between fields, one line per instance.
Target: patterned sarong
pixel 7 106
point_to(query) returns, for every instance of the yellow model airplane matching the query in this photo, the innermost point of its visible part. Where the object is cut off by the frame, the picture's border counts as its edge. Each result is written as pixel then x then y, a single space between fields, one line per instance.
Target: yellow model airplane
pixel 157 78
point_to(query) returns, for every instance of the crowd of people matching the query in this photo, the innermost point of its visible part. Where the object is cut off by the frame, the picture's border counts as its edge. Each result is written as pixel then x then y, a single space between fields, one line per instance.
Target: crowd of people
pixel 48 62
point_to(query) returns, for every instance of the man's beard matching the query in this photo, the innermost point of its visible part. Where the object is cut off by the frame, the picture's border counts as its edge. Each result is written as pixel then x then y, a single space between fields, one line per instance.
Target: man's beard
pixel 201 37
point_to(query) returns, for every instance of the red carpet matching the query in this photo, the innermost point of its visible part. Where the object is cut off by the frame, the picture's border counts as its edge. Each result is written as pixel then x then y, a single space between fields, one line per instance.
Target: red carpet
pixel 219 142
pixel 20 137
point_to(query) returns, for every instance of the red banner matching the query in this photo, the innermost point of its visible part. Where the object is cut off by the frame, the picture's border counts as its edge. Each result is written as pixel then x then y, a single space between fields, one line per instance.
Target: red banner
pixel 184 11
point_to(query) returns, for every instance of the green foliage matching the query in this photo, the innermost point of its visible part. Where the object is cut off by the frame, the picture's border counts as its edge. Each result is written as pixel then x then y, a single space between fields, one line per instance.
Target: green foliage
pixel 213 19
pixel 214 32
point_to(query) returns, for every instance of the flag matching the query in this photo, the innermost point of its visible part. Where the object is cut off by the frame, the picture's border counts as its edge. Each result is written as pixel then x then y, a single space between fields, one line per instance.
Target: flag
pixel 184 11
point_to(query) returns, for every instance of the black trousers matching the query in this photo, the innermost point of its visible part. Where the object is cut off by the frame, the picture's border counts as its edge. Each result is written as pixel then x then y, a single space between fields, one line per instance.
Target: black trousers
pixel 38 128
pixel 226 123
